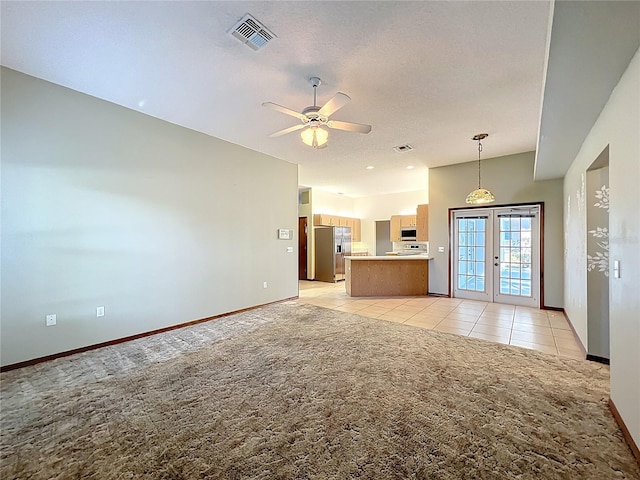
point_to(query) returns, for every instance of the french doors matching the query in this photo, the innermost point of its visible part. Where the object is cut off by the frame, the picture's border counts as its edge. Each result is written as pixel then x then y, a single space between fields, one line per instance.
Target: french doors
pixel 496 255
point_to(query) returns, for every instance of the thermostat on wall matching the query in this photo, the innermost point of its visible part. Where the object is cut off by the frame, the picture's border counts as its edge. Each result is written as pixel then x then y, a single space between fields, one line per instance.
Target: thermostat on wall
pixel 284 234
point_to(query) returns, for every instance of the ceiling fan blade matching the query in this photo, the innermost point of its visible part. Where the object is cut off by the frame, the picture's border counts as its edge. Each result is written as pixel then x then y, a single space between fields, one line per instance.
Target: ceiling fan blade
pixel 285 110
pixel 287 130
pixel 338 101
pixel 349 126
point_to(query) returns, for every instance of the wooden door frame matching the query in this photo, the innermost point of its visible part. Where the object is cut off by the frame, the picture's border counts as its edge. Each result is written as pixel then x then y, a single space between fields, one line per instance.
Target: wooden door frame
pixel 303 226
pixel 506 205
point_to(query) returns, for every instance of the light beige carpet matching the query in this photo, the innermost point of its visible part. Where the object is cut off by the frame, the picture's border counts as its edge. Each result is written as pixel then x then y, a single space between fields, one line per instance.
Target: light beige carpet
pixel 292 391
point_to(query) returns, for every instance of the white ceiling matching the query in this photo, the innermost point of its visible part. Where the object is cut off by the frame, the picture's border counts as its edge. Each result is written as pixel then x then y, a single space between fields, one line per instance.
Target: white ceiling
pixel 428 73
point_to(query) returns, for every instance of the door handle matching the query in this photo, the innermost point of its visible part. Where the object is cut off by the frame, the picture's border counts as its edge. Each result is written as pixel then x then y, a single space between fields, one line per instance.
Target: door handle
pixel 495 264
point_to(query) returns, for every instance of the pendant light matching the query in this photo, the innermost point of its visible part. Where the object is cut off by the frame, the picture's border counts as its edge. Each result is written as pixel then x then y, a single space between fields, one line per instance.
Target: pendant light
pixel 480 195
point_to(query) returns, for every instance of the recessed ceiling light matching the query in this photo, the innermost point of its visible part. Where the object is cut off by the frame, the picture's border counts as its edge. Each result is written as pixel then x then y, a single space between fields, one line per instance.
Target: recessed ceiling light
pixel 409 167
pixel 370 167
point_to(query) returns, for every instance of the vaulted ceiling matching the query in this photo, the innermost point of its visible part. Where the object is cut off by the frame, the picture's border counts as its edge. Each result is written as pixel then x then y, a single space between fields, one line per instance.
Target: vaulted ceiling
pixel 430 74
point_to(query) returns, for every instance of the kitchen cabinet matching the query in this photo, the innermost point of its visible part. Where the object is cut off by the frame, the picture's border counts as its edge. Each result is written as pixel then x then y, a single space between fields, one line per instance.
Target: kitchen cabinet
pixel 337 221
pixel 322 219
pixel 422 223
pixel 356 231
pixel 387 276
pixel 407 220
pixel 398 222
pixel 395 227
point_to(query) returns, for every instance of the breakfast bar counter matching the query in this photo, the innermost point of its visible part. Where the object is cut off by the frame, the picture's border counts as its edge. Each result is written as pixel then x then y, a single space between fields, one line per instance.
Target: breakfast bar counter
pixel 401 275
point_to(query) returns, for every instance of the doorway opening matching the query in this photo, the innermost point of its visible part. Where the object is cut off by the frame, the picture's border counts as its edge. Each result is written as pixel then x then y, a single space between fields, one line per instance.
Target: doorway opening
pixel 496 254
pixel 302 248
pixel 597 241
pixel 383 237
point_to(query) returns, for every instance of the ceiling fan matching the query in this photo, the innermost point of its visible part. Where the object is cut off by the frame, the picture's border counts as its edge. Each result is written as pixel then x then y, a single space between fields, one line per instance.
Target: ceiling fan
pixel 314 118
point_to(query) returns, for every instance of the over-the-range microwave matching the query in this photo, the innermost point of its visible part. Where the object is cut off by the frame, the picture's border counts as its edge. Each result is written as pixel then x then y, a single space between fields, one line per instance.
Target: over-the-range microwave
pixel 408 234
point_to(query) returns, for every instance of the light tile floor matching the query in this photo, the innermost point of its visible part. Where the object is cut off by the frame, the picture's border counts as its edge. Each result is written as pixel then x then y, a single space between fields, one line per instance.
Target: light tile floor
pixel 544 330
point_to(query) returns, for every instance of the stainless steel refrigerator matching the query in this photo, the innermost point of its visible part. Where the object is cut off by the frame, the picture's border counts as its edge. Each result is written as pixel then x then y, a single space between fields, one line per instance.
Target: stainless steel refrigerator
pixel 332 245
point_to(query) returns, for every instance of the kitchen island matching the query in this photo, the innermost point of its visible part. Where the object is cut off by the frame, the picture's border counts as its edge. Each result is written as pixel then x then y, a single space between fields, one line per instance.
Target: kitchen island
pixel 400 275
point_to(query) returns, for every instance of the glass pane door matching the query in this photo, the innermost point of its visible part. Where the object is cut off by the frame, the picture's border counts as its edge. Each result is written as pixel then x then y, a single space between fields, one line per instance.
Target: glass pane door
pixel 516 257
pixel 495 255
pixel 472 235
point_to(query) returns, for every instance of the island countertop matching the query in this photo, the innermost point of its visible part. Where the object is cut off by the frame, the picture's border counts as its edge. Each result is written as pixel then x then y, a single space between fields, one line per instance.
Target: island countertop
pixel 404 275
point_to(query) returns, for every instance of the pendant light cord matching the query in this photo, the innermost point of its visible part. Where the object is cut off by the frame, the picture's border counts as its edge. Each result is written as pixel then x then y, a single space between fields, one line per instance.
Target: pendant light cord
pixel 480 195
pixel 479 150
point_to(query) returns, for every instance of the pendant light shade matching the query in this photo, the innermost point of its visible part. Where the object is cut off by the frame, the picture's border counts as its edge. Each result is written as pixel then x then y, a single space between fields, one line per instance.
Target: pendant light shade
pixel 480 195
pixel 314 136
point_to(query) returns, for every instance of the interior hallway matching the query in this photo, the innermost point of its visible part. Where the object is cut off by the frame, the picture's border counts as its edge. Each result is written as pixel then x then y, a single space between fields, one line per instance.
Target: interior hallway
pixel 544 330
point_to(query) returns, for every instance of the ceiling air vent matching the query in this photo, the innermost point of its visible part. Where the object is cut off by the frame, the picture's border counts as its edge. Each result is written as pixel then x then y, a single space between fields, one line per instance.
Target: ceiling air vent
pixel 251 32
pixel 403 148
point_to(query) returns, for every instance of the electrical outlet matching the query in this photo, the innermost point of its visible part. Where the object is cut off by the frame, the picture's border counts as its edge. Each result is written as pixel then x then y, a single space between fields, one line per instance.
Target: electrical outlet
pixel 264 285
pixel 51 320
pixel 289 249
pixel 100 312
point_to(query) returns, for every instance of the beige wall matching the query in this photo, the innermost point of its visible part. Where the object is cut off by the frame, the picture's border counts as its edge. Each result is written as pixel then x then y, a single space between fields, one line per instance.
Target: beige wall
pixel 368 210
pixel 510 178
pixel 381 207
pixel 330 203
pixel 598 277
pixel 102 205
pixel 618 127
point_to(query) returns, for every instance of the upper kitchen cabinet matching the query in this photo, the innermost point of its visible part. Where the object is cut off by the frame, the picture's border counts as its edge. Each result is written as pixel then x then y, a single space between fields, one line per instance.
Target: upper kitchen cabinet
pixel 395 228
pixel 422 223
pixel 336 221
pixel 356 231
pixel 408 220
pixel 322 219
pixel 398 222
pixel 419 222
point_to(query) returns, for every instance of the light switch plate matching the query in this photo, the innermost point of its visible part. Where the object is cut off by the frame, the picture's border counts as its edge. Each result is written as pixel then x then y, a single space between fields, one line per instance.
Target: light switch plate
pixel 440 249
pixel 289 249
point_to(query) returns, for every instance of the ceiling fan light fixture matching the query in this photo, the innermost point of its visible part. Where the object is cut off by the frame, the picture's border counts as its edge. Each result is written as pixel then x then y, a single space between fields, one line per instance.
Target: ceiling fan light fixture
pixel 480 195
pixel 314 136
pixel 314 117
